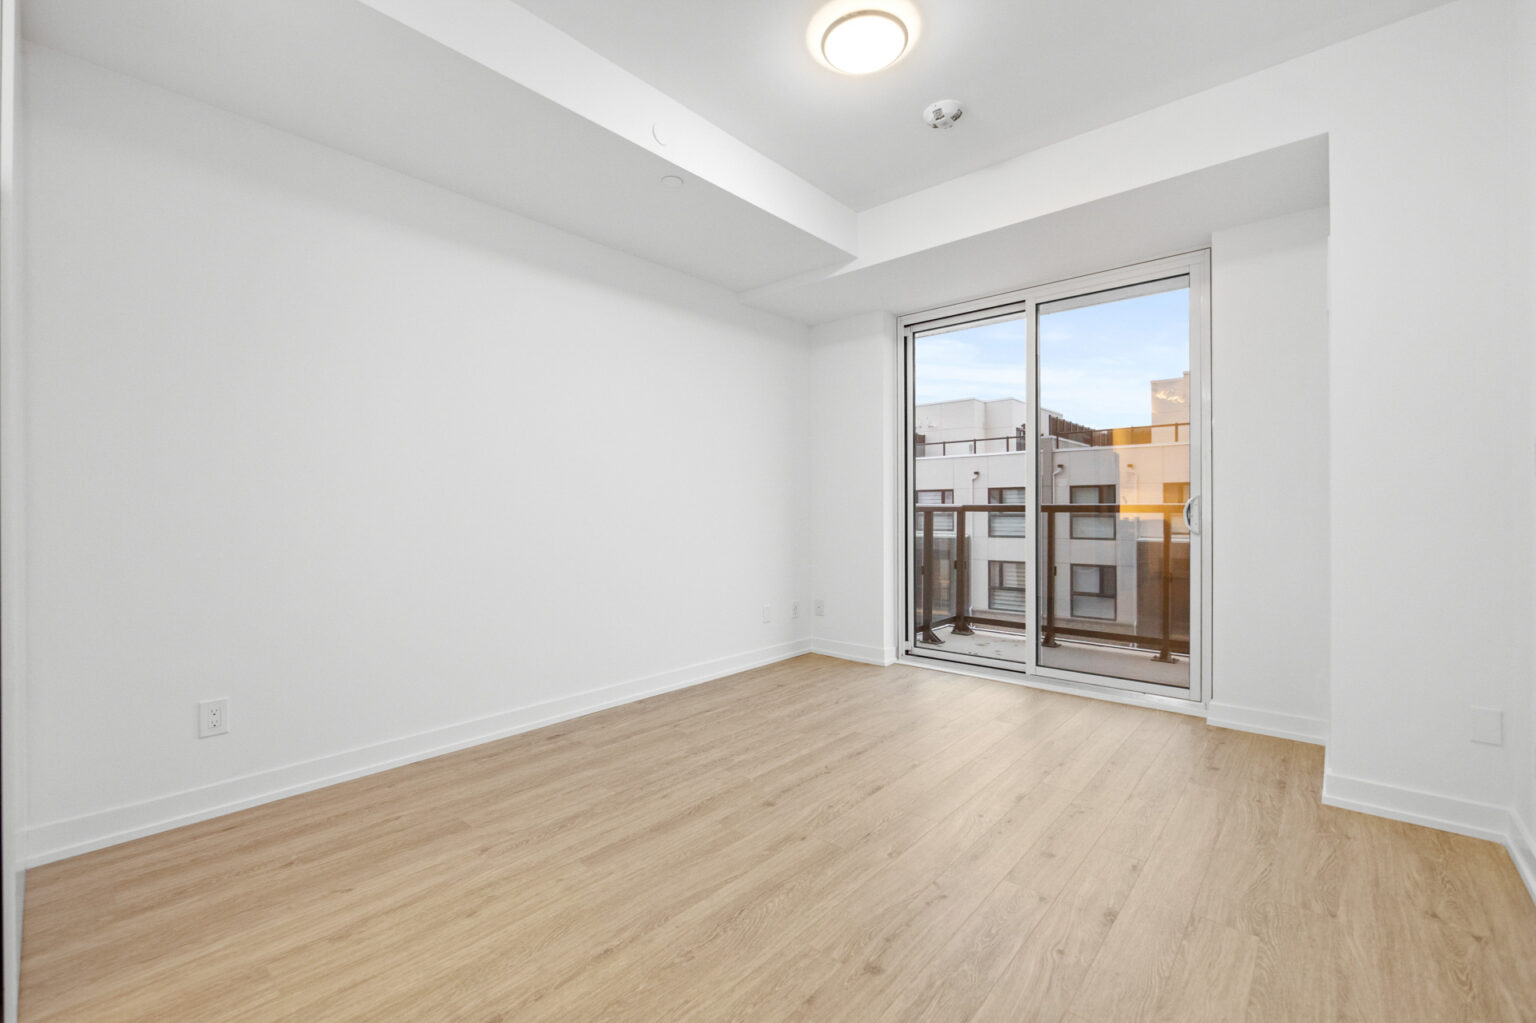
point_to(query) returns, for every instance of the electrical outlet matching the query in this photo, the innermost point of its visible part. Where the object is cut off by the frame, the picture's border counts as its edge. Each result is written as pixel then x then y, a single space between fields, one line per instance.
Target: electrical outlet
pixel 820 607
pixel 794 609
pixel 767 613
pixel 212 718
pixel 1488 726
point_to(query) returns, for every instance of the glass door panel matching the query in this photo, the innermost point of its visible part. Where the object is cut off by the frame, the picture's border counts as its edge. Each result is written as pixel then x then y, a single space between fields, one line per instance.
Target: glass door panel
pixel 970 428
pixel 1115 465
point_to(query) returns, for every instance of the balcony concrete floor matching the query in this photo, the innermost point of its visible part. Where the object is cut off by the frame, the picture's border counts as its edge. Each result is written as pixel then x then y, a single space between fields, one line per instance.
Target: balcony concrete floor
pixel 1092 659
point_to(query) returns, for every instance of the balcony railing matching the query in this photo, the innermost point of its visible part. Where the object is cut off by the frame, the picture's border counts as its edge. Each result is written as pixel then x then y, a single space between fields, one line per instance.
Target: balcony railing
pixel 987 446
pixel 1163 640
pixel 962 619
pixel 1124 436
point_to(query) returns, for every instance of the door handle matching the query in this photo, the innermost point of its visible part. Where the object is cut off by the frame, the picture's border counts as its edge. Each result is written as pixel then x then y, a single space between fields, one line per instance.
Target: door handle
pixel 1189 517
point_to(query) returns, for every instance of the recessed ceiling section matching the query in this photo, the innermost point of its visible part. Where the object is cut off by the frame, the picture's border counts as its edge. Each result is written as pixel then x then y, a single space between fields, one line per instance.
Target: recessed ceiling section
pixel 482 99
pixel 1175 215
pixel 1030 74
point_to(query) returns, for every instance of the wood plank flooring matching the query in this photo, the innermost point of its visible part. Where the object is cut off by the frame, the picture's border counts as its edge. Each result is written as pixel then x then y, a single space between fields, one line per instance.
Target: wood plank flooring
pixel 812 841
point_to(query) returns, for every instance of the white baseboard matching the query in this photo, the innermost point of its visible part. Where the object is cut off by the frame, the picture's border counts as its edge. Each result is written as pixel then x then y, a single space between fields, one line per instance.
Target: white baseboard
pixel 882 656
pixel 1522 849
pixel 1415 806
pixel 57 840
pixel 1462 816
pixel 1267 722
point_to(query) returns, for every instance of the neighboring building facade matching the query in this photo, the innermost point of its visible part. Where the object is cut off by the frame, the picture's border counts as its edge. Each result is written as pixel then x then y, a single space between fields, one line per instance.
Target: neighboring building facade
pixel 1109 567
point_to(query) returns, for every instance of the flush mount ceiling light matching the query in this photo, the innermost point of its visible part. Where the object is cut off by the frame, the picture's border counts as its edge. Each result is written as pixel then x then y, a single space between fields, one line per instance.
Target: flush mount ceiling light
pixel 858 37
pixel 864 41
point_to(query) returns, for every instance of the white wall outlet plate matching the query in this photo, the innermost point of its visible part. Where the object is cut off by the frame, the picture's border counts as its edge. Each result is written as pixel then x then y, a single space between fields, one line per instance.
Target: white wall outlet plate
pixel 1488 726
pixel 821 607
pixel 767 613
pixel 212 718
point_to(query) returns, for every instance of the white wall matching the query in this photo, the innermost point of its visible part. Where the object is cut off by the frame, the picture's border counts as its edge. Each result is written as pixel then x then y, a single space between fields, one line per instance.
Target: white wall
pixel 1523 726
pixel 853 483
pixel 1270 557
pixel 301 433
pixel 1430 611
pixel 13 754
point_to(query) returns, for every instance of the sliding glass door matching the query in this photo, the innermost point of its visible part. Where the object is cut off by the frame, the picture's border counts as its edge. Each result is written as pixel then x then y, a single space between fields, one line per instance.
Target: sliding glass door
pixel 1056 451
pixel 971 425
pixel 1115 470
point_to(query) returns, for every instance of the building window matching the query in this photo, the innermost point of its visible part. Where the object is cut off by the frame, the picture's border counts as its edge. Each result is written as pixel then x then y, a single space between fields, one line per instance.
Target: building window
pixel 943 522
pixel 1093 591
pixel 1006 523
pixel 1005 591
pixel 1175 493
pixel 1093 525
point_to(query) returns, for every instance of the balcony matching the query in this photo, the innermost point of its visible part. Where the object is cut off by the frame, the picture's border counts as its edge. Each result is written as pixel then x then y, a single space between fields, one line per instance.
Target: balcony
pixel 1146 633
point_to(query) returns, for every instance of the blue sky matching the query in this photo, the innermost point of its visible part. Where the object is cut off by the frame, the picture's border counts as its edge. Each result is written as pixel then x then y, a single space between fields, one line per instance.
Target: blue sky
pixel 1096 362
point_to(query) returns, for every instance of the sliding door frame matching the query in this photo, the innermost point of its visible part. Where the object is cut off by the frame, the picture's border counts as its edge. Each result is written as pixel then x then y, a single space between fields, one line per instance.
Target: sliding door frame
pixel 1024 303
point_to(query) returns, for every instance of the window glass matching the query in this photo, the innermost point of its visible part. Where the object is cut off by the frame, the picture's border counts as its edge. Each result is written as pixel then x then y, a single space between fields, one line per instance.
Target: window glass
pixel 1007 524
pixel 1007 590
pixel 943 522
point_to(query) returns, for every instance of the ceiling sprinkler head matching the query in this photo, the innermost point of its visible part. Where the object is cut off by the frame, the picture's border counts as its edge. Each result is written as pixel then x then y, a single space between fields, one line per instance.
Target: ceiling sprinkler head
pixel 943 113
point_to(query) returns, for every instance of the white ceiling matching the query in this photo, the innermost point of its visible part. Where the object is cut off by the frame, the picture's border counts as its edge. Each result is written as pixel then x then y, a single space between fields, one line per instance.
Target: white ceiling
pixel 571 111
pixel 377 85
pixel 1030 72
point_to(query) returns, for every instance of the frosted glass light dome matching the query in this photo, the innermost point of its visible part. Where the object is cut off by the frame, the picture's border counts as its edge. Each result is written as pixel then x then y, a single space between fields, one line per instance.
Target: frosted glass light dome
pixel 864 41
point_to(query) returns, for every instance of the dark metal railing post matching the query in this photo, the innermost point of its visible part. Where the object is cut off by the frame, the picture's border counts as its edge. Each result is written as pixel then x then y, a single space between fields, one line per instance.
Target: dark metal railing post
pixel 1049 638
pixel 925 629
pixel 1166 653
pixel 962 578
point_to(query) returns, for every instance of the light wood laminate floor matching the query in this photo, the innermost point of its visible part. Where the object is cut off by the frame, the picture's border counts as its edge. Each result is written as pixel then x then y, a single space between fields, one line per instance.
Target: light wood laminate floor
pixel 811 841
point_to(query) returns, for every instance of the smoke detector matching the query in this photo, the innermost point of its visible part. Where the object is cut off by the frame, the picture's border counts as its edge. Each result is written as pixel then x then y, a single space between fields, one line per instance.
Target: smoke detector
pixel 943 114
